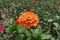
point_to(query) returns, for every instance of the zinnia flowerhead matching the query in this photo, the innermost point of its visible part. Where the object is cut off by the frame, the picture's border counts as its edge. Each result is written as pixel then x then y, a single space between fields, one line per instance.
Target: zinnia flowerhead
pixel 28 19
pixel 34 2
pixel 1 28
pixel 58 2
pixel 16 21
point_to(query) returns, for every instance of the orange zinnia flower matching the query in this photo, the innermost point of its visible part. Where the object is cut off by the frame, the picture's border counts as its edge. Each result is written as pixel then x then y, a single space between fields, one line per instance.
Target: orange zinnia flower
pixel 28 19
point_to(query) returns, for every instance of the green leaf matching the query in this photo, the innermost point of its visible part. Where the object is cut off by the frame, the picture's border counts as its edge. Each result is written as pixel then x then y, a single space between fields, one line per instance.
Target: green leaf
pixel 56 24
pixel 35 33
pixel 52 38
pixel 45 36
pixel 22 30
pixel 58 33
pixel 11 21
pixel 7 29
pixel 19 37
pixel 29 38
pixel 50 20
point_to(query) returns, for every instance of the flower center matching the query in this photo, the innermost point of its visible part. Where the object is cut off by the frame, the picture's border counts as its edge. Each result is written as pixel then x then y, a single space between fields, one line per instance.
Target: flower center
pixel 29 18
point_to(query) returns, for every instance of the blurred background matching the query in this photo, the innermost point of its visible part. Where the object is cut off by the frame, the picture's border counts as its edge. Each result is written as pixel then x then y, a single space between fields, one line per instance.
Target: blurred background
pixel 47 10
